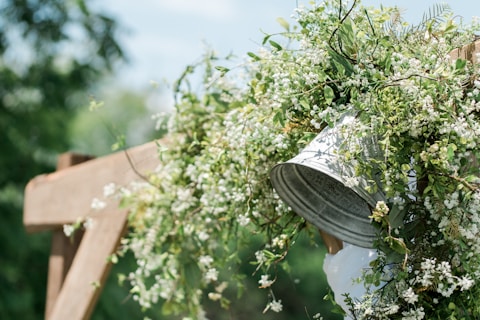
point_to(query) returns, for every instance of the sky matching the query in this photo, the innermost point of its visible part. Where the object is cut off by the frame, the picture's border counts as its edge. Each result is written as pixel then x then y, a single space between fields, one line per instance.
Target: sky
pixel 162 37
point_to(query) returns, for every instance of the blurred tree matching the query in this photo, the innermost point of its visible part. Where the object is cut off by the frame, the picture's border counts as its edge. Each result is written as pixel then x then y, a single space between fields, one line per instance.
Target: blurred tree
pixel 51 52
pixel 124 115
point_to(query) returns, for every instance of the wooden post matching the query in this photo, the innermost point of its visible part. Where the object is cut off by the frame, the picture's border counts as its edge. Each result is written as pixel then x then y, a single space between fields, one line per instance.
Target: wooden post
pixel 78 269
pixel 62 249
pixel 332 243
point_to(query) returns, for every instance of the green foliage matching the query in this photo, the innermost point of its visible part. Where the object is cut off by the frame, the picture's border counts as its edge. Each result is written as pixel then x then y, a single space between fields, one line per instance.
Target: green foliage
pixel 120 120
pixel 211 197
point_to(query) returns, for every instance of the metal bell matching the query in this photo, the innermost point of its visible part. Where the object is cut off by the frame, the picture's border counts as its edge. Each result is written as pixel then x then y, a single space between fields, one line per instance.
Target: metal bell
pixel 314 183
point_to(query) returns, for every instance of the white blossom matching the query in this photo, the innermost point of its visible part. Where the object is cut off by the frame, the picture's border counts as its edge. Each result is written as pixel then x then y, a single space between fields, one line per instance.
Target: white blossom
pixel 276 305
pixel 205 260
pixel 88 223
pixel 264 281
pixel 243 220
pixel 410 296
pixel 203 236
pixel 97 204
pixel 211 275
pixel 109 189
pixel 68 229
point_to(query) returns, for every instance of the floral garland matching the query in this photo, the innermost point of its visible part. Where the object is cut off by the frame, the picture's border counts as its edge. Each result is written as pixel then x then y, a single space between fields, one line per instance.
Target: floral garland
pixel 212 197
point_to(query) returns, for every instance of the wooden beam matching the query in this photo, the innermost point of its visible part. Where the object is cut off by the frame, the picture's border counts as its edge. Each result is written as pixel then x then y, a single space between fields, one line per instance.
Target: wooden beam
pixel 467 52
pixel 332 243
pixel 87 275
pixel 62 197
pixel 78 267
pixel 62 252
pixel 62 249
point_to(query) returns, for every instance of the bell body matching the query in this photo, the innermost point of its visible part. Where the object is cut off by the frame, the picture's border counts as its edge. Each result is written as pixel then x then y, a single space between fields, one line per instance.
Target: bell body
pixel 325 191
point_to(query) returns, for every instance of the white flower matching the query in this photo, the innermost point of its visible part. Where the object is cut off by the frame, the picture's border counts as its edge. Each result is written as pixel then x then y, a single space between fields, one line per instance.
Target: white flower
pixel 410 296
pixel 205 260
pixel 97 204
pixel 109 190
pixel 221 287
pixel 391 309
pixel 243 220
pixel 279 241
pixel 188 229
pixel 202 235
pixel 88 223
pixel 276 305
pixel 416 314
pixel 211 275
pixel 214 296
pixel 260 256
pixel 68 229
pixel 368 311
pixel 465 283
pixel 265 282
pixel 351 182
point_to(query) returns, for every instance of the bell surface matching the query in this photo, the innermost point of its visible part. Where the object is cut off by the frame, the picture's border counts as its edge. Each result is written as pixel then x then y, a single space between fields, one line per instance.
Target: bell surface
pixel 314 183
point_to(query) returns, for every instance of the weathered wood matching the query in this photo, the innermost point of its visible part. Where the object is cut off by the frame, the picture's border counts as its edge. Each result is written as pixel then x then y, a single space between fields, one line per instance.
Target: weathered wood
pixel 90 268
pixel 468 52
pixel 62 197
pixel 78 269
pixel 62 249
pixel 332 243
pixel 62 252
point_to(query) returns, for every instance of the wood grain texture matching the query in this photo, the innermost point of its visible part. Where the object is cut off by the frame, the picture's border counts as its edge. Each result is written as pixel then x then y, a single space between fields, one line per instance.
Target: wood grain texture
pixel 64 196
pixel 90 268
pixel 467 52
pixel 78 267
pixel 63 249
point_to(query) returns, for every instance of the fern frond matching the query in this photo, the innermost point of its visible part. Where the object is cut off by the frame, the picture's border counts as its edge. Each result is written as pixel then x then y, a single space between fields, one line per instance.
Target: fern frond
pixel 435 14
pixel 392 26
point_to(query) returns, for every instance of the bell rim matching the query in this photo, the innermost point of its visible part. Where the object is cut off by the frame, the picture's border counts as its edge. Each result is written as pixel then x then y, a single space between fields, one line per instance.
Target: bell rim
pixel 320 221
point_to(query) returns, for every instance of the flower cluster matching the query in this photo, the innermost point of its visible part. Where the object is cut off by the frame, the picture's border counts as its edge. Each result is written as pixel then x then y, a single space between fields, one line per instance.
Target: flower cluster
pixel 211 196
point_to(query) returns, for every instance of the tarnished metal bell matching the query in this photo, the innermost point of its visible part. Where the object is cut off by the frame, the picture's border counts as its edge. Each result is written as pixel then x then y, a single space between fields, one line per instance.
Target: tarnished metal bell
pixel 314 183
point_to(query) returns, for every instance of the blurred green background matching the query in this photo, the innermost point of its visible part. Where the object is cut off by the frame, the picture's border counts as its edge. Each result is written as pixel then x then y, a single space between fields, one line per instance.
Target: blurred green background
pixel 55 56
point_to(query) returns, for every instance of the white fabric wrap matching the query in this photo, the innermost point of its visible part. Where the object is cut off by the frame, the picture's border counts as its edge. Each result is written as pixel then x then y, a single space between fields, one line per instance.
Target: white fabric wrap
pixel 344 268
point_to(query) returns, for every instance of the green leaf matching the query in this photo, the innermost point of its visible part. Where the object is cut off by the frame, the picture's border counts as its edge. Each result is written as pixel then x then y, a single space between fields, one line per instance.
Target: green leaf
pixel 95 105
pixel 451 151
pixel 397 244
pixel 346 35
pixel 253 56
pixel 113 258
pixel 283 23
pixel 120 144
pixel 328 94
pixel 223 70
pixel 341 64
pixel 460 64
pixel 275 45
pixel 279 118
pixel 265 39
pixel 395 217
pixel 305 104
